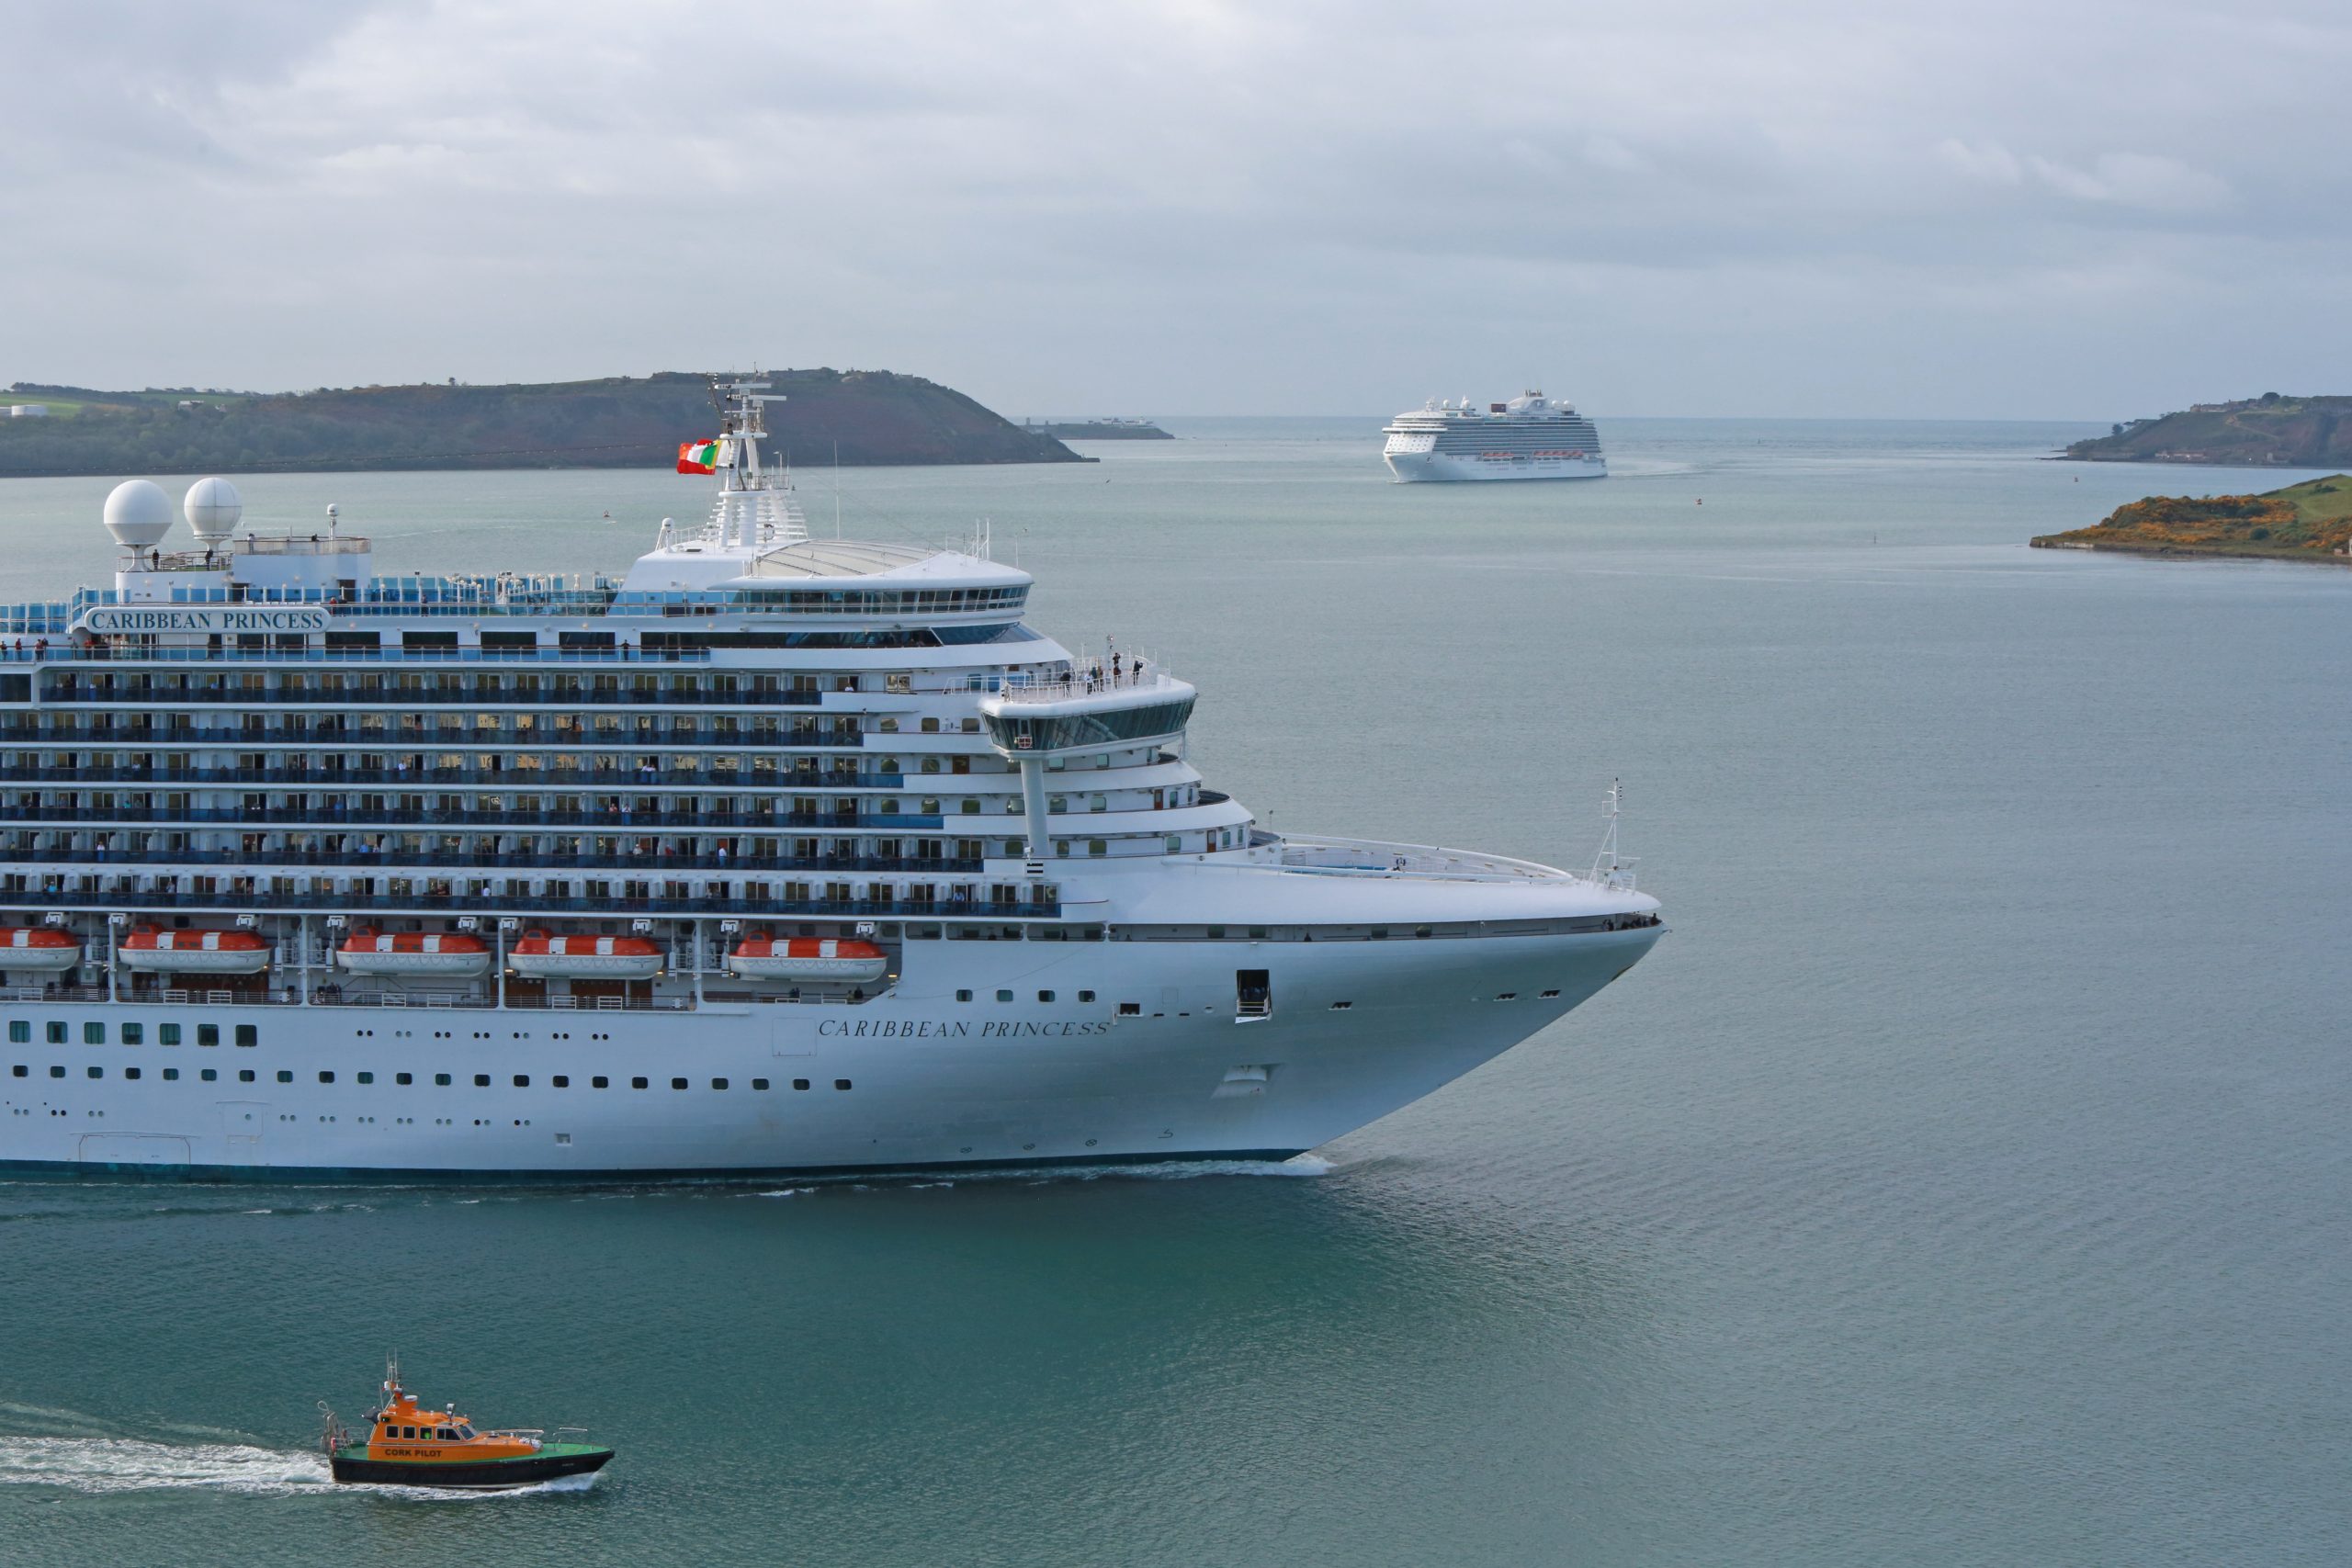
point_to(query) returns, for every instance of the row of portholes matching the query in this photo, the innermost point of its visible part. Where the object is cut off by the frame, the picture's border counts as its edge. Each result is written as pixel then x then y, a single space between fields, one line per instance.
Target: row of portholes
pixel 443 1080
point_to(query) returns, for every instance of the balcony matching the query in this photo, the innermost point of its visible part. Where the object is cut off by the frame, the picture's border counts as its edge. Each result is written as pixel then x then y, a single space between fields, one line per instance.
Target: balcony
pixel 443 904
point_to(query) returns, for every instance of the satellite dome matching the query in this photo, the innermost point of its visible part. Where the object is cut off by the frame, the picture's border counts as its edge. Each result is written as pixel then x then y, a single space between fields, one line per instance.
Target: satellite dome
pixel 213 507
pixel 139 513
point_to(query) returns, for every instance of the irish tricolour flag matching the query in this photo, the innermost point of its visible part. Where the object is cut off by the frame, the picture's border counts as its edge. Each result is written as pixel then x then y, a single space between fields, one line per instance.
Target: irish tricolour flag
pixel 698 457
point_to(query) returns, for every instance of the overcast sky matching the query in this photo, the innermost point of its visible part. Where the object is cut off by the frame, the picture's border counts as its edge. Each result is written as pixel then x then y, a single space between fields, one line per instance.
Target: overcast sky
pixel 1680 206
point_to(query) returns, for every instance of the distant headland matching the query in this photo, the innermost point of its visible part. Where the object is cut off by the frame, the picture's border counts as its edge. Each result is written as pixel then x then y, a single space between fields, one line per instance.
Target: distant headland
pixel 2312 521
pixel 1097 429
pixel 2272 430
pixel 864 416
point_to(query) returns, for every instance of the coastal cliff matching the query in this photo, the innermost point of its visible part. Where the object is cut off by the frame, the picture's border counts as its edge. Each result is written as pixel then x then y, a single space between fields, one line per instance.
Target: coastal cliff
pixel 2270 430
pixel 870 416
pixel 2312 521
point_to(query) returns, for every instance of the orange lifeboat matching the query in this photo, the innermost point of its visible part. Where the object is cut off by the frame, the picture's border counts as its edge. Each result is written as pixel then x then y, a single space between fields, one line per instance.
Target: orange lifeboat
pixel 544 957
pixel 38 947
pixel 442 954
pixel 409 1444
pixel 196 951
pixel 809 958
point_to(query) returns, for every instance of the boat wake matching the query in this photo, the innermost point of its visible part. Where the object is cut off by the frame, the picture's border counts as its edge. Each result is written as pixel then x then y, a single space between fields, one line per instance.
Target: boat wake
pixel 1049 1175
pixel 129 1464
pixel 97 1466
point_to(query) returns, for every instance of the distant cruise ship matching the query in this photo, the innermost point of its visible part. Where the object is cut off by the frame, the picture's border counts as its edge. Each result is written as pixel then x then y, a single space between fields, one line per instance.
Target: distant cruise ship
pixel 1530 437
pixel 776 853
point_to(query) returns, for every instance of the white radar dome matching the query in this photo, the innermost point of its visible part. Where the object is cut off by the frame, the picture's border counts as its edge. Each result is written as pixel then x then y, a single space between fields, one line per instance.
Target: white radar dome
pixel 139 513
pixel 213 507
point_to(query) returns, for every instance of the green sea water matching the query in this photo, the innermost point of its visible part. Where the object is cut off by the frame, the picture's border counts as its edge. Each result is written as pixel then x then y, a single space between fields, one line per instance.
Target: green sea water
pixel 1965 1177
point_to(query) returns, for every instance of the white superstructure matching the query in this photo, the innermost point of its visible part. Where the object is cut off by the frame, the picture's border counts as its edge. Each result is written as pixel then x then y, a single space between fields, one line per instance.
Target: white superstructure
pixel 1530 437
pixel 263 811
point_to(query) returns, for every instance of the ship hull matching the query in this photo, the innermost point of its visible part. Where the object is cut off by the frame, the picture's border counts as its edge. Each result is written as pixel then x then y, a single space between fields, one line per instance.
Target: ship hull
pixel 912 1080
pixel 489 1475
pixel 1448 468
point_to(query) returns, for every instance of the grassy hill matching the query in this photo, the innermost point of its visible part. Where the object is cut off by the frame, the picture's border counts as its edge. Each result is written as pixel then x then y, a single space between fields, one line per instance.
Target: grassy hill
pixel 873 416
pixel 2312 521
pixel 2270 431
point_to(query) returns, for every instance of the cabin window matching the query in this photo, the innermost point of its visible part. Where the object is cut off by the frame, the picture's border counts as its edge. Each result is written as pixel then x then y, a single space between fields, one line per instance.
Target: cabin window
pixel 718 1083
pixel 97 1072
pixel 441 1080
pixel 963 996
pixel 403 1077
pixel 1004 996
pixel 600 1081
pixel 284 1075
pixel 841 1083
pixel 638 1083
pixel 248 1034
pixel 800 1083
pixel 167 1034
pixel 364 1078
pixel 57 1072
pixel 560 1081
pixel 758 1083
pixel 445 1434
pixel 56 1033
pixel 323 1078
pixel 482 1080
pixel 244 1075
pixel 20 1031
pixel 131 1072
pixel 94 1034
pixel 677 1083
pixel 171 1075
pixel 208 1034
pixel 134 1034
pixel 209 1075
pixel 1045 996
pixel 1130 1010
pixel 1085 996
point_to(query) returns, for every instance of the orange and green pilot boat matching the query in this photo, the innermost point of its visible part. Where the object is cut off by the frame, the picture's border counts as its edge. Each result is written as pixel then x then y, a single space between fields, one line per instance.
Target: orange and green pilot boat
pixel 408 1444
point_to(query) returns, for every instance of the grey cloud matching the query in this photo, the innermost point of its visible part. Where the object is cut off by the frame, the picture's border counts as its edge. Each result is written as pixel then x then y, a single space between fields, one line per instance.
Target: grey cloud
pixel 1698 207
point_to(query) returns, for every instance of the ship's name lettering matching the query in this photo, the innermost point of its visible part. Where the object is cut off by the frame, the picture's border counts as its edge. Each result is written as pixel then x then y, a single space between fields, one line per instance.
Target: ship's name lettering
pixel 958 1028
pixel 129 619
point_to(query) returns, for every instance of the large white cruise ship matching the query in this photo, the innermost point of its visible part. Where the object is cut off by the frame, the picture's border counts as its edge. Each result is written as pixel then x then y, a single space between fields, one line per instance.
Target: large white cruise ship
pixel 1530 437
pixel 777 854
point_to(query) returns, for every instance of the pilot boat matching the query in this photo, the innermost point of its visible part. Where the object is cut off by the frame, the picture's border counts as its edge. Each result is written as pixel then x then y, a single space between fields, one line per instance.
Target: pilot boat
pixel 38 947
pixel 196 951
pixel 408 1444
pixel 544 957
pixel 809 958
pixel 453 955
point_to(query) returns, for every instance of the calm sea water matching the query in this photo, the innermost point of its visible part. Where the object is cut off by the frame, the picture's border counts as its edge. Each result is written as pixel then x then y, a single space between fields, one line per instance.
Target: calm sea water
pixel 1963 1179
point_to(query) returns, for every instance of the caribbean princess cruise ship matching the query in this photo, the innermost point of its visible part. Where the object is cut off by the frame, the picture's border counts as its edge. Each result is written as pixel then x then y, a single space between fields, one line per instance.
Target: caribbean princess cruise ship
pixel 775 854
pixel 1530 437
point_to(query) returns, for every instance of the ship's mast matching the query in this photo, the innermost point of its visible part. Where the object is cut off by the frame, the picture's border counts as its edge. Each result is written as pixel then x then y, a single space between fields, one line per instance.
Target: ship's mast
pixel 752 511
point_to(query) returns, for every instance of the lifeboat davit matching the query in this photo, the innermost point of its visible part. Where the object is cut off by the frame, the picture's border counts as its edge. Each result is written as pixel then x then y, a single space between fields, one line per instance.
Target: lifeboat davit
pixel 545 957
pixel 450 955
pixel 38 947
pixel 809 958
pixel 196 951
